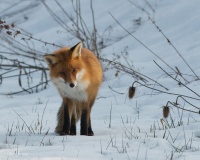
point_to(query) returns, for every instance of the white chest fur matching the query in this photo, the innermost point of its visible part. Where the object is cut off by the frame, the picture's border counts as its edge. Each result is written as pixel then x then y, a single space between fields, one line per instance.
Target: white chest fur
pixel 78 92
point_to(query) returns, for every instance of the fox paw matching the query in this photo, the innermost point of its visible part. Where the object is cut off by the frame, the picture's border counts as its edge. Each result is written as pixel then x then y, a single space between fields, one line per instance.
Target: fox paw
pixel 91 133
pixel 64 133
pixel 73 133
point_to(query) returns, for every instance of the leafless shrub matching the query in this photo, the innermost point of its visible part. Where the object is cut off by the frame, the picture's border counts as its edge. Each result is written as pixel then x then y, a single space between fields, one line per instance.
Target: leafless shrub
pixel 78 28
pixel 20 63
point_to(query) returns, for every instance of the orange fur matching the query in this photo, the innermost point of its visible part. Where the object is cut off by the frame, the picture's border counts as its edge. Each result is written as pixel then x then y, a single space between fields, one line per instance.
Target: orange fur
pixel 77 74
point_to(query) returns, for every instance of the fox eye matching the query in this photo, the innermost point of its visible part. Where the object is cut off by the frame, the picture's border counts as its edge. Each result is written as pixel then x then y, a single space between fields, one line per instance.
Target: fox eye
pixel 73 70
pixel 62 73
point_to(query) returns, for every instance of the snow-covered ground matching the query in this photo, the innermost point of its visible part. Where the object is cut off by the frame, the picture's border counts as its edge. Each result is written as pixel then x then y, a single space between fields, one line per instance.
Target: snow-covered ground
pixel 123 128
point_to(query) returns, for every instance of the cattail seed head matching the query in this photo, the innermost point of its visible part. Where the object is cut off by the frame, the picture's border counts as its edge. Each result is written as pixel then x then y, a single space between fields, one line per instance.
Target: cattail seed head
pixel 165 111
pixel 131 92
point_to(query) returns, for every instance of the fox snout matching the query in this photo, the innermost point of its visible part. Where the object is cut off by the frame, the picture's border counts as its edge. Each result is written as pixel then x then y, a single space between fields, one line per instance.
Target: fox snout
pixel 72 85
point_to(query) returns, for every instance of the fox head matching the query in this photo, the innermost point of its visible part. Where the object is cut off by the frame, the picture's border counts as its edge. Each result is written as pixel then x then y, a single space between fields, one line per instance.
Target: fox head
pixel 66 66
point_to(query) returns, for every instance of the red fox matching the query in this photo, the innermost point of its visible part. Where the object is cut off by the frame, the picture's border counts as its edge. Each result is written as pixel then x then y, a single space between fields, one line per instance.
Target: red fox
pixel 77 74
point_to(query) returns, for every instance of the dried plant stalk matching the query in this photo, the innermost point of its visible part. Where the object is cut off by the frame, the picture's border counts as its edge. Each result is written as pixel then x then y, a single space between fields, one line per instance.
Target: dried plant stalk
pixel 131 92
pixel 166 111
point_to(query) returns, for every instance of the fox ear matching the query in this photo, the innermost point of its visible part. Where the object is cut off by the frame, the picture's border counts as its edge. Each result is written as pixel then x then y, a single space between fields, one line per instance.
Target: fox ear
pixel 76 50
pixel 50 59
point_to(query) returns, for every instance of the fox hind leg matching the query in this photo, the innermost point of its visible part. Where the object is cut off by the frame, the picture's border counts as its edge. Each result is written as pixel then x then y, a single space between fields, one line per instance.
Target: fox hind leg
pixel 90 132
pixel 64 117
pixel 60 119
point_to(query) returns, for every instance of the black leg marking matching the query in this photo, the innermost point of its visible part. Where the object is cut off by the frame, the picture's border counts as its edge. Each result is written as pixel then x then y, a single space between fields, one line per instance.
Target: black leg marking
pixel 66 125
pixel 73 125
pixel 90 132
pixel 84 123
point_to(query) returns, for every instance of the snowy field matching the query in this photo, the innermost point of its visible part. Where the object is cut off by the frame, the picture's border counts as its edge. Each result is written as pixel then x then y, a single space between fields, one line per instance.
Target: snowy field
pixel 124 129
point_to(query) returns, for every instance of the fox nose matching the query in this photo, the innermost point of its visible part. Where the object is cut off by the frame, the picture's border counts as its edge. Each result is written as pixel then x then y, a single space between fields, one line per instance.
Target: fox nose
pixel 71 85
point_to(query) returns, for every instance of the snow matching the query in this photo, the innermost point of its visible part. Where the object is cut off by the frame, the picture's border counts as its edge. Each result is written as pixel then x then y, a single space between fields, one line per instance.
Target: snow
pixel 136 131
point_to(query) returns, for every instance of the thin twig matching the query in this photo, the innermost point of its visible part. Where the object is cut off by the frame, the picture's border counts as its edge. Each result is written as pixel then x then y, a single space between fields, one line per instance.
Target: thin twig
pixel 130 71
pixel 36 86
pixel 185 101
pixel 110 115
pixel 94 40
pixel 115 91
pixel 182 108
pixel 176 79
pixel 44 137
pixel 173 46
pixel 24 122
pixel 165 91
pixel 42 116
pixel 141 42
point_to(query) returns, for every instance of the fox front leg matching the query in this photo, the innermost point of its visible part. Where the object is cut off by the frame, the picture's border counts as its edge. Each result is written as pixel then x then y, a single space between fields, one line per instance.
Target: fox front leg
pixel 86 128
pixel 90 132
pixel 73 125
pixel 66 122
pixel 84 122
